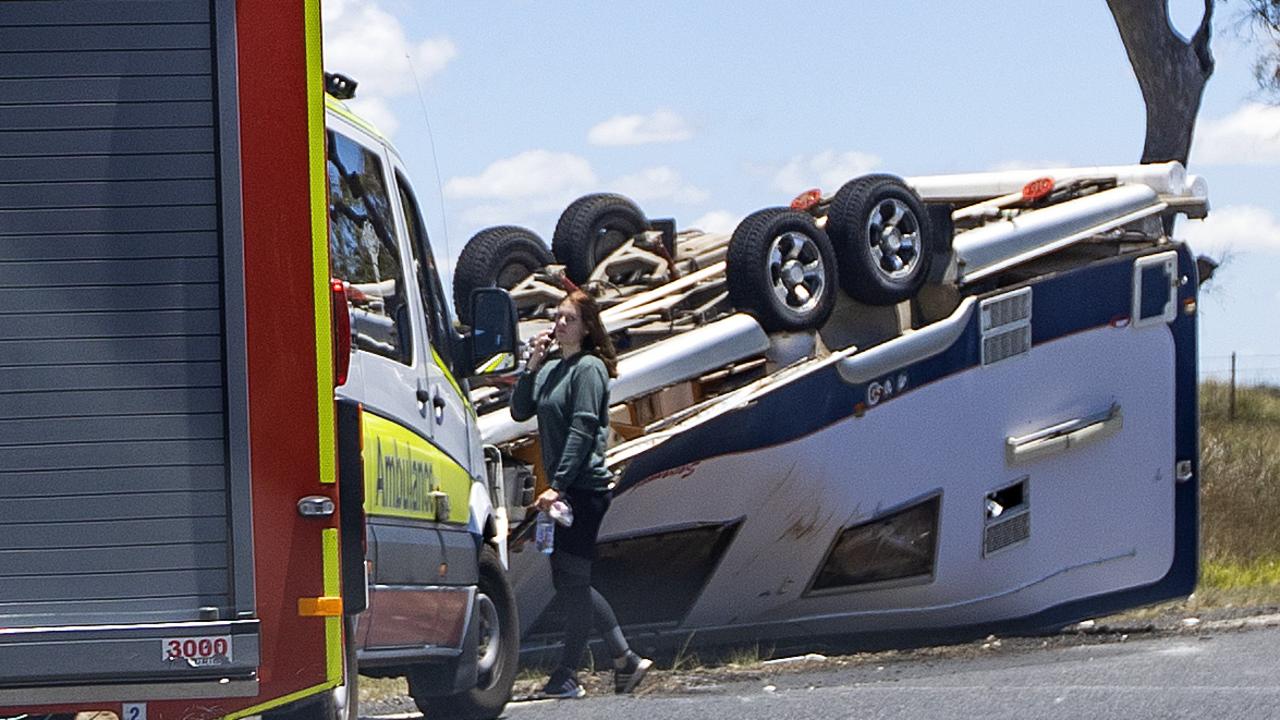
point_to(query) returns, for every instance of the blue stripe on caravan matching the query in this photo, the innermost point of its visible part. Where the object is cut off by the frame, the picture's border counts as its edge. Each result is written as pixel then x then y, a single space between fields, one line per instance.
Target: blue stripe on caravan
pixel 1066 303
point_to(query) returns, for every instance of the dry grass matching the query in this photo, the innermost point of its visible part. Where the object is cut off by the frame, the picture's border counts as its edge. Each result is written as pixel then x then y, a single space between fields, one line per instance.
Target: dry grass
pixel 1240 486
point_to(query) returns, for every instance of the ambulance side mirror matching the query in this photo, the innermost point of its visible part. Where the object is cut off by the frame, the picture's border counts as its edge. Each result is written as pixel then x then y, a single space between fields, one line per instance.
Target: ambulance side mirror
pixel 494 336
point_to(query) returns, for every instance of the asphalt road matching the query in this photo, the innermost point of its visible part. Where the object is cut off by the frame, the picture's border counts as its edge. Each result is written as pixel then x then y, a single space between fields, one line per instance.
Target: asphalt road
pixel 1209 675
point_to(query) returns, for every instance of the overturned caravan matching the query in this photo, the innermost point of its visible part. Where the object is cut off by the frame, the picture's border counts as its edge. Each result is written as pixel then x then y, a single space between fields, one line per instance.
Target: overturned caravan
pixel 1012 446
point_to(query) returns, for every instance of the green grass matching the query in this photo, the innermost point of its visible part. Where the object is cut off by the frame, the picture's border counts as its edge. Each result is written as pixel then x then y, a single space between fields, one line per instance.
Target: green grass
pixel 1263 572
pixel 1239 484
pixel 743 656
pixel 1239 502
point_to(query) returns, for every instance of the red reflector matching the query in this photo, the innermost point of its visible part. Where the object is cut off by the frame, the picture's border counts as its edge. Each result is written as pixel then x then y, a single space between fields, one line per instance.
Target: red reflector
pixel 1037 189
pixel 341 332
pixel 807 199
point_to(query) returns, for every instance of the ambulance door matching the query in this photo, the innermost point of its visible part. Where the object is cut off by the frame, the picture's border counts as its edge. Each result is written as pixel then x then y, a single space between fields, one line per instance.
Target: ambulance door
pixel 366 254
pixel 451 420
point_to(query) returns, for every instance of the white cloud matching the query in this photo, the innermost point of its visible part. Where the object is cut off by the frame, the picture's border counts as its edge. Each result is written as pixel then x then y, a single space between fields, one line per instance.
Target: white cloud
pixel 660 126
pixel 533 187
pixel 1248 136
pixel 370 45
pixel 531 176
pixel 717 221
pixel 659 183
pixel 827 170
pixel 530 189
pixel 1234 229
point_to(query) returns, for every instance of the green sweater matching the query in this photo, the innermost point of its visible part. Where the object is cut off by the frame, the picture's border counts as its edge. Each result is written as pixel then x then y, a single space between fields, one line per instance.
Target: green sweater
pixel 571 399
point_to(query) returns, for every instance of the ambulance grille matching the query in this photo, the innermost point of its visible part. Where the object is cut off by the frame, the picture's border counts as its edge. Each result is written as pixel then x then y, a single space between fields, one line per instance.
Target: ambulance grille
pixel 1006 326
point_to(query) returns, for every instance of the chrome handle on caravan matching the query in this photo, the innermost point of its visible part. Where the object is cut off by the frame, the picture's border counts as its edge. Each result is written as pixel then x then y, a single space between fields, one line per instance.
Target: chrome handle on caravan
pixel 1063 436
pixel 895 354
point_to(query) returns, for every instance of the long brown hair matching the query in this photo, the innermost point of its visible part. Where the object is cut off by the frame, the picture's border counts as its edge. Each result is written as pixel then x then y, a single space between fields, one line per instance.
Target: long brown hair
pixel 597 341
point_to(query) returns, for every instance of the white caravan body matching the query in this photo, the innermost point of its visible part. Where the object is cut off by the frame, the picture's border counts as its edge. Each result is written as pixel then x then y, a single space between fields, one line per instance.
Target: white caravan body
pixel 1026 462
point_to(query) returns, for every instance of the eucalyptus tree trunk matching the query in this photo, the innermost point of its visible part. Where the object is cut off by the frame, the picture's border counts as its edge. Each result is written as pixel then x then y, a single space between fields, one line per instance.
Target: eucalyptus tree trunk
pixel 1171 71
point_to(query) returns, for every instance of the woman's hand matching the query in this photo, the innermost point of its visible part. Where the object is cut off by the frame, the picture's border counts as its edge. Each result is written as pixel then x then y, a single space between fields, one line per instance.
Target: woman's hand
pixel 547 497
pixel 540 344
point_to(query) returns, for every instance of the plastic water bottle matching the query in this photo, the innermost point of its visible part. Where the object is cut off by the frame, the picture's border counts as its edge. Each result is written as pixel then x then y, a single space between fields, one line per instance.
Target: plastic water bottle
pixel 561 513
pixel 544 534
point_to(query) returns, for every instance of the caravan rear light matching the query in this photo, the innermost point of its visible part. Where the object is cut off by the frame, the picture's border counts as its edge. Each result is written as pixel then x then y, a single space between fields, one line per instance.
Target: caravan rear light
pixel 1037 189
pixel 341 332
pixel 806 200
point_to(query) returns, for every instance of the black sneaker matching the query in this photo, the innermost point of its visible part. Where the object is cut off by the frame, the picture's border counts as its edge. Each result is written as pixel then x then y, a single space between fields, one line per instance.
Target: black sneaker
pixel 563 686
pixel 628 678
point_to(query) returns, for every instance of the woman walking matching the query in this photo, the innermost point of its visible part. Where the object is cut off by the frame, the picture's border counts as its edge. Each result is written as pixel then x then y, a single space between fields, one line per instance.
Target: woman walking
pixel 569 393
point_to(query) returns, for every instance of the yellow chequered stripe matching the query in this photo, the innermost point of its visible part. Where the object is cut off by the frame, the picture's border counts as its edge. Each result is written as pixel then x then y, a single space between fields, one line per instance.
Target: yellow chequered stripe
pixel 332 625
pixel 403 474
pixel 320 244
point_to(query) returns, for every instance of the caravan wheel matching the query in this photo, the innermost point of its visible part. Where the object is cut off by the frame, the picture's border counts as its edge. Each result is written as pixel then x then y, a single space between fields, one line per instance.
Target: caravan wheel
pixel 882 238
pixel 500 256
pixel 780 268
pixel 591 228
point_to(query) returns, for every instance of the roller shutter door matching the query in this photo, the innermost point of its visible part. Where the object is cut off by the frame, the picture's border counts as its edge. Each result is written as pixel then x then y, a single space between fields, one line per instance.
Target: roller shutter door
pixel 113 423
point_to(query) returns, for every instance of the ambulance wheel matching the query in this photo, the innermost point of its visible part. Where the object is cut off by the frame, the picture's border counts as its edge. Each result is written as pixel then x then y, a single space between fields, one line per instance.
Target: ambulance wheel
pixel 501 256
pixel 591 228
pixel 882 239
pixel 781 269
pixel 497 652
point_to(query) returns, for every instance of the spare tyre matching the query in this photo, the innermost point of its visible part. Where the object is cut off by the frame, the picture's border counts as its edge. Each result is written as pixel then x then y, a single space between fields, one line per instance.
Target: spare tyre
pixel 780 268
pixel 499 256
pixel 882 239
pixel 591 228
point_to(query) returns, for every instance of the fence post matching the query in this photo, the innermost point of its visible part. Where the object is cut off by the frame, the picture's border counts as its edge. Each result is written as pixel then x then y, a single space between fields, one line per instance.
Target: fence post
pixel 1231 411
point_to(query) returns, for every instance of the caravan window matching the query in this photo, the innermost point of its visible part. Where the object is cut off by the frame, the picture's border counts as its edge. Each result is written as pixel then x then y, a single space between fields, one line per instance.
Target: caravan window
pixel 899 546
pixel 363 250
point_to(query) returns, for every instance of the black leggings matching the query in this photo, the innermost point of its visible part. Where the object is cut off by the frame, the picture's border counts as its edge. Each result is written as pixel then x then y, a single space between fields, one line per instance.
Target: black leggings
pixel 571 576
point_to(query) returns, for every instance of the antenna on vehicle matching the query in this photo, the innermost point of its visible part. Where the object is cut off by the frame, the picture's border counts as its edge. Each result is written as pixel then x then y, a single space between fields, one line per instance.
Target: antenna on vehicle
pixel 435 162
pixel 340 86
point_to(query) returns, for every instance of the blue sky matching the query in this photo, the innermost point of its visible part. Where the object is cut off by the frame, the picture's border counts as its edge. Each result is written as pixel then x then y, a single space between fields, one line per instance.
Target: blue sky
pixel 507 110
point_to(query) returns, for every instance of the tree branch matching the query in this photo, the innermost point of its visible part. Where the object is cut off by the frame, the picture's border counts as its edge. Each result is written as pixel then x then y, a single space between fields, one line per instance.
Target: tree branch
pixel 1171 72
pixel 1200 40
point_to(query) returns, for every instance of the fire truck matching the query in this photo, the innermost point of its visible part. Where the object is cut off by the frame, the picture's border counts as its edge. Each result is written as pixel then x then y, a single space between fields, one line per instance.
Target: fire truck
pixel 237 460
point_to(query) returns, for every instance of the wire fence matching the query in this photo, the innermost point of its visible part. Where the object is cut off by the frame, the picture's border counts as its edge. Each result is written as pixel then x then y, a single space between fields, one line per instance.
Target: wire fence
pixel 1241 369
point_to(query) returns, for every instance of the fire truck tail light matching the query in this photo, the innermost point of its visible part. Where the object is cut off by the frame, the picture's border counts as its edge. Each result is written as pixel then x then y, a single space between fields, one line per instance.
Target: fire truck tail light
pixel 341 332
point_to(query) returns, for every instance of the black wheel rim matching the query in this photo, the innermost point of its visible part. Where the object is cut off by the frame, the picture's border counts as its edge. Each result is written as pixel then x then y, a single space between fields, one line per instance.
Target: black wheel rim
pixel 893 235
pixel 796 272
pixel 512 274
pixel 489 646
